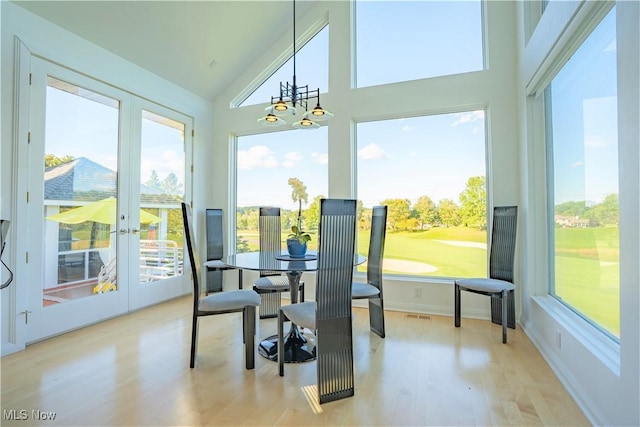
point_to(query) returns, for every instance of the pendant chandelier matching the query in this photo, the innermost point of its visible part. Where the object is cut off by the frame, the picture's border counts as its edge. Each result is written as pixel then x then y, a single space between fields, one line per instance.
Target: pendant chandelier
pixel 291 96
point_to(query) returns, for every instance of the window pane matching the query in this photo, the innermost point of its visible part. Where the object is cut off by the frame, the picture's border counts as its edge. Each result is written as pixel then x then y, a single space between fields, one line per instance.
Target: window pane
pixel 430 172
pixel 312 69
pixel 162 171
pixel 583 164
pixel 408 40
pixel 80 186
pixel 265 164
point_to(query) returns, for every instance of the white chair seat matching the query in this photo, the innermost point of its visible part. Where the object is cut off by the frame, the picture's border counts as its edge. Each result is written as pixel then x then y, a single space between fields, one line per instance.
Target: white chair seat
pixel 218 265
pixel 276 283
pixel 485 285
pixel 363 290
pixel 302 314
pixel 229 300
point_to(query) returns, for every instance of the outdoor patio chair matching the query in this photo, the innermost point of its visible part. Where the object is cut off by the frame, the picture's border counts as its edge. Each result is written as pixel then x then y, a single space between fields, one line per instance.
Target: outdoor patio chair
pixel 271 284
pixel 330 314
pixel 499 286
pixel 242 300
pixel 215 252
pixel 372 289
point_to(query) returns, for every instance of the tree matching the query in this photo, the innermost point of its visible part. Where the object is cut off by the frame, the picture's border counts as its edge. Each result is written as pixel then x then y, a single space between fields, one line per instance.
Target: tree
pixel 170 185
pixel 473 203
pixel 606 212
pixel 51 160
pixel 398 212
pixel 448 212
pixel 571 209
pixel 364 218
pixel 312 214
pixel 426 211
pixel 154 181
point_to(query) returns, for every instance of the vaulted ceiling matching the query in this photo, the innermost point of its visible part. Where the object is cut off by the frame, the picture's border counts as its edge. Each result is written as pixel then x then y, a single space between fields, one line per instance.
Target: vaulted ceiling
pixel 199 45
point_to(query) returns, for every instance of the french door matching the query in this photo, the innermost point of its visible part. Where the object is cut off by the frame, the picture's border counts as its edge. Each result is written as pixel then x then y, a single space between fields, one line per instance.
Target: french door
pixel 106 175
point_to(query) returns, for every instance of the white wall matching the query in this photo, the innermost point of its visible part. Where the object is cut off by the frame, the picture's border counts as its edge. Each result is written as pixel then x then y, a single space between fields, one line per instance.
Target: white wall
pixel 53 43
pixel 602 376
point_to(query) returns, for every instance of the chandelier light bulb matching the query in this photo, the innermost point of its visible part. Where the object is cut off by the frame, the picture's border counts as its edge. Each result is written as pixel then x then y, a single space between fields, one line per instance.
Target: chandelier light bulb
pixel 280 105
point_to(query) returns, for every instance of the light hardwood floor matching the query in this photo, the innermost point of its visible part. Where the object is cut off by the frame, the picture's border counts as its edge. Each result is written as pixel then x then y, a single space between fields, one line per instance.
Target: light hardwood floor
pixel 134 371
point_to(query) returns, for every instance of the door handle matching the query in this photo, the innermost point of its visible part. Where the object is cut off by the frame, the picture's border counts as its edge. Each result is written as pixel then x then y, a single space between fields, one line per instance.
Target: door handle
pixel 123 231
pixel 135 231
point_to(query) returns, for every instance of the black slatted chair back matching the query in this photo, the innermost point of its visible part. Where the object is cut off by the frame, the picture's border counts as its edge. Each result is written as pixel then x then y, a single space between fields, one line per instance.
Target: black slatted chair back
pixel 376 246
pixel 503 243
pixel 215 238
pixel 270 232
pixel 374 268
pixel 194 260
pixel 336 250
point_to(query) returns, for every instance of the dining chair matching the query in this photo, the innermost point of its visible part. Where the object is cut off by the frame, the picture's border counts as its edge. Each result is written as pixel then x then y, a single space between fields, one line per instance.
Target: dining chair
pixel 499 285
pixel 330 314
pixel 372 289
pixel 234 301
pixel 215 252
pixel 271 284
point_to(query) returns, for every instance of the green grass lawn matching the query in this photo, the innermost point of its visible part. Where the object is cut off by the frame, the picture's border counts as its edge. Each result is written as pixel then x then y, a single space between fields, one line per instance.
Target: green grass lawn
pixel 587 270
pixel 586 261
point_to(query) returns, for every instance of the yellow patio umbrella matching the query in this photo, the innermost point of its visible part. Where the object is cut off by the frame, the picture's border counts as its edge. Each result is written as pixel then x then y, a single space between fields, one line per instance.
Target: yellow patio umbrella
pixel 102 211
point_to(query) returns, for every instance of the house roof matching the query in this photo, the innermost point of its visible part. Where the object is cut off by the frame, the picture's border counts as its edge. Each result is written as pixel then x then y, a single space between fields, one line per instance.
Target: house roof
pixel 83 179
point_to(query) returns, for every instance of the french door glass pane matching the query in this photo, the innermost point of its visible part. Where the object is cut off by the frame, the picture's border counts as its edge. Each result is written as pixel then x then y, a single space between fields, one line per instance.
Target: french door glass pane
pixel 80 190
pixel 162 171
pixel 266 163
pixel 583 169
pixel 430 172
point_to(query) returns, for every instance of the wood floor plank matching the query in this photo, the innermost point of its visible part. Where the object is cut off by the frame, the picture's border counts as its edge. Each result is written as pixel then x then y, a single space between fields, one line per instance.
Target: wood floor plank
pixel 134 371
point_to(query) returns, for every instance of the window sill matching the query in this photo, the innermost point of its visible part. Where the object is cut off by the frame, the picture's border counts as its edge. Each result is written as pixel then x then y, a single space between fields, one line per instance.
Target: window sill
pixel 601 346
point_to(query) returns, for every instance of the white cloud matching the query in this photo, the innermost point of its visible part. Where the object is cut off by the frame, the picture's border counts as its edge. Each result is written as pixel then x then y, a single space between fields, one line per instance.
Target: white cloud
pixel 169 155
pixel 291 159
pixel 293 156
pixel 170 161
pixel 469 117
pixel 257 157
pixel 320 158
pixel 371 152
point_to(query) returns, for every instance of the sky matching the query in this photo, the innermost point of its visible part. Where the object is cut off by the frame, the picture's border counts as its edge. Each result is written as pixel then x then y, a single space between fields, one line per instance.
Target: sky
pixel 585 128
pixel 585 164
pixel 430 144
pixel 81 127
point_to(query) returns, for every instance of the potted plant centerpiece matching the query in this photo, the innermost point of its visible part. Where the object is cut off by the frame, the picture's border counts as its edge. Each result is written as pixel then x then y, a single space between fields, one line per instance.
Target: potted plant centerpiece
pixel 298 238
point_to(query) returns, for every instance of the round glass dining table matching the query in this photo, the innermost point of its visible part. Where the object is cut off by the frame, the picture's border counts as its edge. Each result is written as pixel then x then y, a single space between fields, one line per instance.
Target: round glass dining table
pixel 297 347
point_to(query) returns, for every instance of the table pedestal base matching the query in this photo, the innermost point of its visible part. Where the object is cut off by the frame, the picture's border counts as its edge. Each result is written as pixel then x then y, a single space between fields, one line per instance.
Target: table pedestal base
pixel 297 347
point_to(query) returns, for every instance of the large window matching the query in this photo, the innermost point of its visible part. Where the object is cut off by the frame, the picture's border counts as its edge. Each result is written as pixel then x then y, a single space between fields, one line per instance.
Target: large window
pixel 582 146
pixel 266 162
pixel 408 40
pixel 430 172
pixel 312 67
